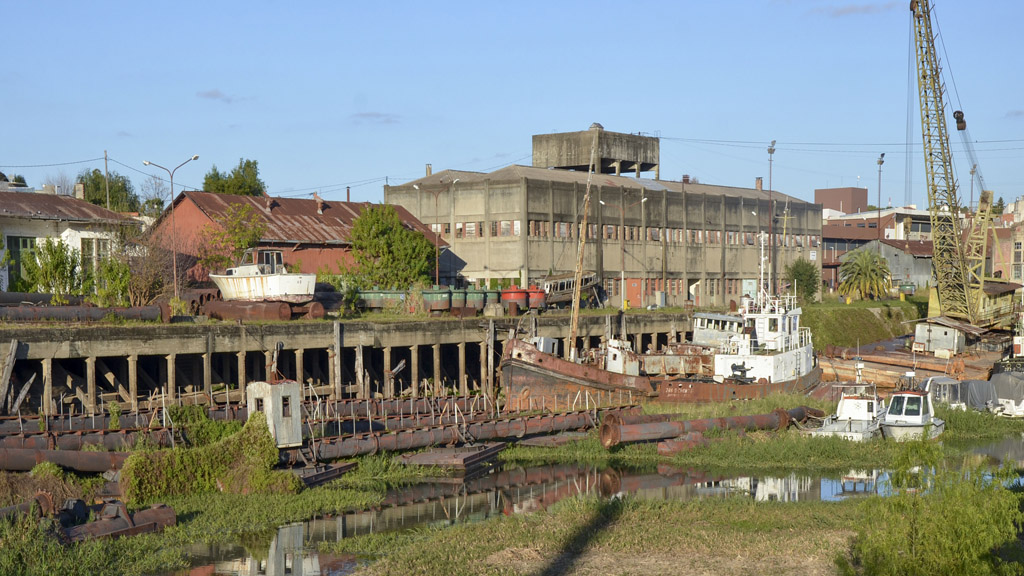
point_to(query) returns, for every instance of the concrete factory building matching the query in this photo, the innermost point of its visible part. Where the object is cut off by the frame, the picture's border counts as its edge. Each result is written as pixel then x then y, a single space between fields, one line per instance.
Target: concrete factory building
pixel 649 240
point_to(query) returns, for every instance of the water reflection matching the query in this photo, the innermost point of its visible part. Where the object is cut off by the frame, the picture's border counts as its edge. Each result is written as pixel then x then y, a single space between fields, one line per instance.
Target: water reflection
pixel 293 548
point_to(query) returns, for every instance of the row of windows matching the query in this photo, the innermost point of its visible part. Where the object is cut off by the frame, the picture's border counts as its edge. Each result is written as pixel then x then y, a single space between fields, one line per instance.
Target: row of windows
pixel 568 231
pixel 498 229
pixel 677 286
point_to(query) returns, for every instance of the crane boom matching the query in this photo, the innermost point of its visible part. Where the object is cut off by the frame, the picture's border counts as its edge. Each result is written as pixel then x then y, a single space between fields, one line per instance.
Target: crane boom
pixel 956 292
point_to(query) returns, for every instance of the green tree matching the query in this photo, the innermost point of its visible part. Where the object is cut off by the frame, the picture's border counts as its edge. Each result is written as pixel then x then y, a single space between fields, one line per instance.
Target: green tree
pixel 804 275
pixel 999 206
pixel 386 253
pixel 56 268
pixel 865 273
pixel 244 180
pixel 122 194
pixel 223 244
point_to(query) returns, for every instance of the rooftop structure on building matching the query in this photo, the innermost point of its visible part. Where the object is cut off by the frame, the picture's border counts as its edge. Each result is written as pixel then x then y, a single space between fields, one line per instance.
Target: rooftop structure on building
pixel 650 241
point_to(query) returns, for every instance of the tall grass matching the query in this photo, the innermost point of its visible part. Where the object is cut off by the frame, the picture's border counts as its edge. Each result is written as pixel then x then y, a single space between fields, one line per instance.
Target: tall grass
pixel 939 520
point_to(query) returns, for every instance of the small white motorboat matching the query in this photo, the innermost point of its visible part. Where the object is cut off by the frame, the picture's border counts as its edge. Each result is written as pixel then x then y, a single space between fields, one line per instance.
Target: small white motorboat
pixel 911 414
pixel 858 416
pixel 262 277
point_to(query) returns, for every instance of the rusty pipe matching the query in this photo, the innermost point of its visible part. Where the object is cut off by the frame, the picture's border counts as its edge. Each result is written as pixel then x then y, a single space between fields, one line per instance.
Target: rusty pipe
pixel 115 521
pixel 613 434
pixel 41 504
pixel 35 299
pixel 348 446
pixel 23 460
pixel 239 310
pixel 77 313
pixel 78 440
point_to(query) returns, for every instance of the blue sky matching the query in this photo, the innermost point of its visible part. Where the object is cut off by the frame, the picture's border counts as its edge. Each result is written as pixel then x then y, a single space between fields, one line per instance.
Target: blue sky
pixel 326 95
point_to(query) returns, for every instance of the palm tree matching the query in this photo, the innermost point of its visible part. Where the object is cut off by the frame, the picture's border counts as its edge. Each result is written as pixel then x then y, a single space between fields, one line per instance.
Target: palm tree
pixel 865 274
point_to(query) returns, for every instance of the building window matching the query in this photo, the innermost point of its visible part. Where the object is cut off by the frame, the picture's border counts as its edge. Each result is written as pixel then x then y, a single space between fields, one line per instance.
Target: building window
pixel 286 406
pixel 458 229
pixel 470 229
pixel 18 249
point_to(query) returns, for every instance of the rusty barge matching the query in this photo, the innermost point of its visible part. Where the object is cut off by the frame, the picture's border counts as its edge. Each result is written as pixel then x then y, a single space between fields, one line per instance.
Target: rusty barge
pixel 761 351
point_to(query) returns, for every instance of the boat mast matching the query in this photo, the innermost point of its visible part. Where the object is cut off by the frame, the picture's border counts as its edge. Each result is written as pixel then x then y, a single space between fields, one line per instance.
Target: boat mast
pixel 570 352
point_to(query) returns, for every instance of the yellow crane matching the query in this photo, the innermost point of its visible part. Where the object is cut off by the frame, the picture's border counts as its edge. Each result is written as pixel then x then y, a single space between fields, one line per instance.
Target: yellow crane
pixel 958 260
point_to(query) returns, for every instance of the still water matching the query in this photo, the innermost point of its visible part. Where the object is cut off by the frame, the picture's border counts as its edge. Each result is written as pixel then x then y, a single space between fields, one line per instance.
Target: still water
pixel 293 549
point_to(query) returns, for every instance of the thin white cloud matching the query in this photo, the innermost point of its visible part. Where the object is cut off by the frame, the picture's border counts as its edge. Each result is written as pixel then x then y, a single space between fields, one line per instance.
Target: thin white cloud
pixel 861 9
pixel 1015 114
pixel 375 118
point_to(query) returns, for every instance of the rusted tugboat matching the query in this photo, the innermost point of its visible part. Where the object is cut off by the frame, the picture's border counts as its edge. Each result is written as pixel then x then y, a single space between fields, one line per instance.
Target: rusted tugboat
pixel 760 351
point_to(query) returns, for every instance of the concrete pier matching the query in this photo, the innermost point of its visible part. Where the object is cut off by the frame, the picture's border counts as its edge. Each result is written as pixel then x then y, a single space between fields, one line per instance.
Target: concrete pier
pixel 83 369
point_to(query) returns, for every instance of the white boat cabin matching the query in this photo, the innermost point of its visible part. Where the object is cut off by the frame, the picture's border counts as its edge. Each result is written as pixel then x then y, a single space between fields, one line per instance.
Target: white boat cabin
pixel 715 329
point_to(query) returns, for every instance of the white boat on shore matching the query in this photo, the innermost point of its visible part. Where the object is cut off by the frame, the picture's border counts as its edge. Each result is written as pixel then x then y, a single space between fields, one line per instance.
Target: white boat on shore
pixel 858 416
pixel 911 414
pixel 262 277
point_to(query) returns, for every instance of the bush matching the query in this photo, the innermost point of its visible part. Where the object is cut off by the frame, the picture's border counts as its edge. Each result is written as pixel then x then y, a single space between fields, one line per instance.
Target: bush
pixel 938 521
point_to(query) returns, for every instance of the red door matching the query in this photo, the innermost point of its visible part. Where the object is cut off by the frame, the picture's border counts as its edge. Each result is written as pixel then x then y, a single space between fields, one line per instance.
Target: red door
pixel 633 292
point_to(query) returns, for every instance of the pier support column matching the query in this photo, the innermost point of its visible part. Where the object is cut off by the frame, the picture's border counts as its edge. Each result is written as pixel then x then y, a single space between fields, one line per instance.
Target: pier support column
pixel 90 385
pixel 335 360
pixel 414 369
pixel 268 366
pixel 463 385
pixel 483 367
pixel 47 402
pixel 133 381
pixel 300 374
pixel 389 383
pixel 489 385
pixel 437 370
pixel 361 383
pixel 172 378
pixel 208 377
pixel 241 377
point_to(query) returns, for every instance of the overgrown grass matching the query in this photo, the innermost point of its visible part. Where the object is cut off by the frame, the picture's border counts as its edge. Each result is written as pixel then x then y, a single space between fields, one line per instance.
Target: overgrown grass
pixel 29 547
pixel 243 463
pixel 940 520
pixel 738 407
pixel 201 430
pixel 625 536
pixel 975 425
pixel 588 451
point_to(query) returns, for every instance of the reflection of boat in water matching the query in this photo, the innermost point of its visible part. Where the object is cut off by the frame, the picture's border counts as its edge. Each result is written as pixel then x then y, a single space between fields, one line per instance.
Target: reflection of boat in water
pixel 911 414
pixel 858 415
pixel 262 276
pixel 760 351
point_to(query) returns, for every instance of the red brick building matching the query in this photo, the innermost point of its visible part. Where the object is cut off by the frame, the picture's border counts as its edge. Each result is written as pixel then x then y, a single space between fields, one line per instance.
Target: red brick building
pixel 311 233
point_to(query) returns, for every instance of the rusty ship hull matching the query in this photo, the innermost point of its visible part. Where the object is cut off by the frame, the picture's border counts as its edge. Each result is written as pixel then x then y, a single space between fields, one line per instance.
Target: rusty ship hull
pixel 532 377
pixel 545 380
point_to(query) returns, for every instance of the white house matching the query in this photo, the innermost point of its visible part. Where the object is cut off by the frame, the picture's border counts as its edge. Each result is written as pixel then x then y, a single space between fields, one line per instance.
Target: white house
pixel 28 218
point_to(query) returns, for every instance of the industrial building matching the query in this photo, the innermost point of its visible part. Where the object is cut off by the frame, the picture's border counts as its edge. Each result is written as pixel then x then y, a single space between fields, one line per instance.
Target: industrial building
pixel 650 241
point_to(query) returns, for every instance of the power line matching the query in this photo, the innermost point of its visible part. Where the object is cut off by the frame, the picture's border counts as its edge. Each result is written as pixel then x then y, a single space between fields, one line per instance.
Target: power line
pixel 53 165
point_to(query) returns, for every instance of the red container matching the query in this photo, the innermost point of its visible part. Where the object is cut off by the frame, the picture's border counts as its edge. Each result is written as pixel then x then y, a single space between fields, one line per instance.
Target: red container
pixel 536 297
pixel 514 295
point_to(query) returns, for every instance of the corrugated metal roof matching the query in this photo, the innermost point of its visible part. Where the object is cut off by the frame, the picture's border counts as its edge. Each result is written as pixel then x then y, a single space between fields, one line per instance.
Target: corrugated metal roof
pixel 38 206
pixel 515 172
pixel 913 247
pixel 297 220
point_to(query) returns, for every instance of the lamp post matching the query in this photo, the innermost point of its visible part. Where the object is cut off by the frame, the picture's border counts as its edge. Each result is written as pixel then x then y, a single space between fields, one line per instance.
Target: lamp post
pixel 771 214
pixel 174 229
pixel 622 244
pixel 437 232
pixel 881 160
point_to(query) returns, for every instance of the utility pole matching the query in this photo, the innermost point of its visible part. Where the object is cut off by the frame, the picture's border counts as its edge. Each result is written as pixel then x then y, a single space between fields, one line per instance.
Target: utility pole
pixel 106 178
pixel 881 160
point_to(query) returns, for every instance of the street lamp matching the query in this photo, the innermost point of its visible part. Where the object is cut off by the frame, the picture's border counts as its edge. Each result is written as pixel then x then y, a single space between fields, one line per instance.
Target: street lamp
pixel 622 243
pixel 174 229
pixel 437 232
pixel 881 160
pixel 771 212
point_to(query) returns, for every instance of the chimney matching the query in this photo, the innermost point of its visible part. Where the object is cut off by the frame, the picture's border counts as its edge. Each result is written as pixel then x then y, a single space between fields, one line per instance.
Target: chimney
pixel 319 203
pixel 348 193
pixel 758 184
pixel 686 178
pixel 80 191
pixel 430 169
